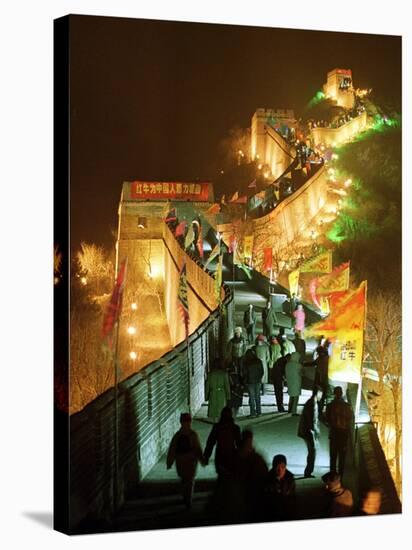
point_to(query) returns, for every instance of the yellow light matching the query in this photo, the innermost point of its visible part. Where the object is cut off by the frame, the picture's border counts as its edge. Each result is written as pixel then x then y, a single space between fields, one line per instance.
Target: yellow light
pixel 133 355
pixel 259 167
pixel 348 182
pixel 131 330
pixel 257 156
pixel 335 156
pixel 266 175
pixel 331 170
pixel 56 280
pixel 134 306
pixel 83 280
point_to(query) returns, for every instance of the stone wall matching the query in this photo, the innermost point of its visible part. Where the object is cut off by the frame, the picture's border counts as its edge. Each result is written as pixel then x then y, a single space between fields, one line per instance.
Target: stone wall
pixel 290 219
pixel 343 134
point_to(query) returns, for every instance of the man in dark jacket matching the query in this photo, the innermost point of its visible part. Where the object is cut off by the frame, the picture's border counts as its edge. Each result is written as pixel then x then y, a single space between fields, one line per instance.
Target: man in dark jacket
pixel 309 429
pixel 225 434
pixel 253 374
pixel 249 321
pixel 278 376
pixel 300 345
pixel 321 376
pixel 237 349
pixel 269 320
pixel 339 418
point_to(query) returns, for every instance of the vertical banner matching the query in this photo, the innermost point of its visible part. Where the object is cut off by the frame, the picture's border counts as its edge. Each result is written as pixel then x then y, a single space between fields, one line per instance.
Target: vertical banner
pixel 267 259
pixel 294 282
pixel 183 299
pixel 218 279
pixel 248 246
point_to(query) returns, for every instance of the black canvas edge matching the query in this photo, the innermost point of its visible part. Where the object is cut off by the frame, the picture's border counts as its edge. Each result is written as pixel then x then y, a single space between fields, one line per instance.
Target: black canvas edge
pixel 61 204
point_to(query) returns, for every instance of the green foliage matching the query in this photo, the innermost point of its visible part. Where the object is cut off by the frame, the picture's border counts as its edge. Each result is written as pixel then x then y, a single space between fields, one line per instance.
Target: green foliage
pixel 368 228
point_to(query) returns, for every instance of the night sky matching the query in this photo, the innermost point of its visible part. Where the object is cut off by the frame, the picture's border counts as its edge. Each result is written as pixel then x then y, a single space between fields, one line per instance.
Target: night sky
pixel 153 100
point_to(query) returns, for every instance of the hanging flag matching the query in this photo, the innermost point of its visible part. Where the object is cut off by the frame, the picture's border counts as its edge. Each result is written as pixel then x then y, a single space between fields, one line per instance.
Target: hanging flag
pixel 322 263
pixel 336 281
pixel 248 246
pixel 232 243
pixel 215 252
pixel 190 236
pixel 218 280
pixel 238 256
pixel 114 307
pixel 214 209
pixel 183 299
pixel 345 329
pixel 171 216
pixel 235 197
pixel 294 282
pixel 252 184
pixel 312 291
pixel 267 259
pixel 181 228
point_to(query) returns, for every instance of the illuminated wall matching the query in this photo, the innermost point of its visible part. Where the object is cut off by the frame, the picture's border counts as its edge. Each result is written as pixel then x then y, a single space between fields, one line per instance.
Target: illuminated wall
pixel 267 146
pixel 202 300
pixel 337 136
pixel 289 221
pixel 332 89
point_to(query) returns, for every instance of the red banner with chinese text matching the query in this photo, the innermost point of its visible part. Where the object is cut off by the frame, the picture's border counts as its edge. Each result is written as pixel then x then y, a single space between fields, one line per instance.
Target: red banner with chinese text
pixel 198 192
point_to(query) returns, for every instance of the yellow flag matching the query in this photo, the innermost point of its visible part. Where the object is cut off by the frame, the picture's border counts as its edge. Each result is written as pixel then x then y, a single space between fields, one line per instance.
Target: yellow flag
pixel 294 282
pixel 248 246
pixel 345 329
pixel 322 263
pixel 346 359
pixel 336 281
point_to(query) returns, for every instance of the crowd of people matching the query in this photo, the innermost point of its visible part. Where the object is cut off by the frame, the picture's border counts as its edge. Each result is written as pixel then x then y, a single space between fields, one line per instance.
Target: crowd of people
pixel 247 490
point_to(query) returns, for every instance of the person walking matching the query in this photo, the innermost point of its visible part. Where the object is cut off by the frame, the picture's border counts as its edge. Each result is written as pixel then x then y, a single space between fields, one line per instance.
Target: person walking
pixel 251 473
pixel 309 429
pixel 237 349
pixel 262 351
pixel 249 322
pixel 185 450
pixel 300 346
pixel 299 315
pixel 280 491
pixel 225 435
pixel 268 320
pixel 236 390
pixel 293 373
pixel 321 374
pixel 278 377
pixel 286 345
pixel 217 390
pixel 253 374
pixel 339 419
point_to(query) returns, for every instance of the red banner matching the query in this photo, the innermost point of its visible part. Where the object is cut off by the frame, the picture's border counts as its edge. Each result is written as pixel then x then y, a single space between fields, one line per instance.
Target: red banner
pixel 267 259
pixel 198 192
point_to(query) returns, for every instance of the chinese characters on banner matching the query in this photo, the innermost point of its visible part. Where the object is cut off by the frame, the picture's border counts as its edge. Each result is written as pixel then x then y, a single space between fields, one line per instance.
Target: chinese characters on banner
pixel 322 263
pixel 198 192
pixel 346 359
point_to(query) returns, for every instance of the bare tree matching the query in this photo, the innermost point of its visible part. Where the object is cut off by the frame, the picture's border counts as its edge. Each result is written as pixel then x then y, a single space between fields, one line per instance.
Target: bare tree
pixel 94 264
pixel 383 345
